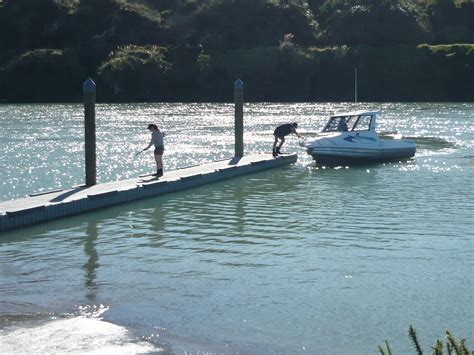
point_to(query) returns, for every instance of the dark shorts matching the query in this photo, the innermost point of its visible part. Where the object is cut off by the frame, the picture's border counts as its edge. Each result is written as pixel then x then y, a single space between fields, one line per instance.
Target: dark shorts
pixel 159 150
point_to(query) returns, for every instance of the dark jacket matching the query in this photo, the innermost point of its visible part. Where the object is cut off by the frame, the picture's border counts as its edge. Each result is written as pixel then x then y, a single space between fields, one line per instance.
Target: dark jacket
pixel 284 130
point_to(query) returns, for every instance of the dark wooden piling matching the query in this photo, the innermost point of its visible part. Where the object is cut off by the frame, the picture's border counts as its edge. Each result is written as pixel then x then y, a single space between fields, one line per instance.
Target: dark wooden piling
pixel 239 117
pixel 89 131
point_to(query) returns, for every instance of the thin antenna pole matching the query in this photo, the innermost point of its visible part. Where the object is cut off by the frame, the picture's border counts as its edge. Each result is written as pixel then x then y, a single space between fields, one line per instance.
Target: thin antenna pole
pixel 355 84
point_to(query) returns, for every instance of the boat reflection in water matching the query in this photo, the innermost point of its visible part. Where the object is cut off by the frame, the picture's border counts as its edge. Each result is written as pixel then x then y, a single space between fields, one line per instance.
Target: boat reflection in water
pixel 351 138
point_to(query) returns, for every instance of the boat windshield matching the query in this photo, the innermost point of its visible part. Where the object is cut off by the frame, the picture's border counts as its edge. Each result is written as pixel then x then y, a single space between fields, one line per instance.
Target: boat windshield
pixel 363 123
pixel 340 123
pixel 348 123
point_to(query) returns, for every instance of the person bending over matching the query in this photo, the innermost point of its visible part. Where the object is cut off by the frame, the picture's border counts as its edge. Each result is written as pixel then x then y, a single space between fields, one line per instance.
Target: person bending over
pixel 280 133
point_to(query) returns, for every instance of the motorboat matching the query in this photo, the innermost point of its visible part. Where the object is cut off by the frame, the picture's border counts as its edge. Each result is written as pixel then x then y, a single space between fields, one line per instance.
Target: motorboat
pixel 351 138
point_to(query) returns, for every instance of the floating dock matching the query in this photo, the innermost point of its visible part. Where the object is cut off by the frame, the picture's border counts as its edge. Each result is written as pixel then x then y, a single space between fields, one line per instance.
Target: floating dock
pixel 61 203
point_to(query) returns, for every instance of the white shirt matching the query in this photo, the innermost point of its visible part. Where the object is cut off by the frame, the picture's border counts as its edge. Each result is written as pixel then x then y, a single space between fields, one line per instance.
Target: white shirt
pixel 157 138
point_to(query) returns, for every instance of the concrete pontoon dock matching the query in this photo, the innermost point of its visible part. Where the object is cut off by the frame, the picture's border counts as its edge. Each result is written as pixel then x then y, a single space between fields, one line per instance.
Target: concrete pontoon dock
pixel 61 203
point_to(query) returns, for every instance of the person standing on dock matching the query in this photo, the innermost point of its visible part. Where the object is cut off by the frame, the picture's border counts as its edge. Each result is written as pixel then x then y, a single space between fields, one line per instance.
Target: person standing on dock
pixel 157 142
pixel 280 133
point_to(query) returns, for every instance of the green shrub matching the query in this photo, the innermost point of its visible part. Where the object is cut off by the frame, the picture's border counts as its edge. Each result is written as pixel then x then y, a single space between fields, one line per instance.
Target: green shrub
pixel 41 75
pixel 131 57
pixel 136 73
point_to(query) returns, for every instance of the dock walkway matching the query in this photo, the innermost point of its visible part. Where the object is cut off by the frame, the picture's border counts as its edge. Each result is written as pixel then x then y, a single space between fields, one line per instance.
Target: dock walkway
pixel 61 203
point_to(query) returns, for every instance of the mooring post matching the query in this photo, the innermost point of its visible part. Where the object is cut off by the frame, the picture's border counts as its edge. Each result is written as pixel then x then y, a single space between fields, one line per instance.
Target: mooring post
pixel 89 136
pixel 239 117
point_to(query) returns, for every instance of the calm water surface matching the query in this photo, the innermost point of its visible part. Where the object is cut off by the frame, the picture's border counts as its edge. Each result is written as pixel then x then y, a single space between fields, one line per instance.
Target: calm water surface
pixel 291 260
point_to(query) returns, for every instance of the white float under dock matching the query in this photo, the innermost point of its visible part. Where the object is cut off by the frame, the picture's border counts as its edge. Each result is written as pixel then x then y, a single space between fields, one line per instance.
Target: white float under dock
pixel 61 203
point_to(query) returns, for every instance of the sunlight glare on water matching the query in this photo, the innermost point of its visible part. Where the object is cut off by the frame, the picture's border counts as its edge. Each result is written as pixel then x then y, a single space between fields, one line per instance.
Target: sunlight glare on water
pixel 297 259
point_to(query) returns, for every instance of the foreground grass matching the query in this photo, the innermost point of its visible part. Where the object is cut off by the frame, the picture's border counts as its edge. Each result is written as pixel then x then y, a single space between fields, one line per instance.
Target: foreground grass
pixel 453 347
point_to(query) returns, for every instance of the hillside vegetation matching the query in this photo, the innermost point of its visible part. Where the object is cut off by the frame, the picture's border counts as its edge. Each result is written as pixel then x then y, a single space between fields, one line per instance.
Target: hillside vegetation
pixel 193 50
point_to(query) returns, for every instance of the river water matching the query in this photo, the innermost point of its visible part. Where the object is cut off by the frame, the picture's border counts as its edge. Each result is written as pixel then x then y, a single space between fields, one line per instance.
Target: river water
pixel 296 259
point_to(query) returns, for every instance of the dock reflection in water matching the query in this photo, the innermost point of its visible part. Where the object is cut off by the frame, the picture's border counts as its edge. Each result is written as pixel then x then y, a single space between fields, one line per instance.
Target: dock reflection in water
pixel 90 267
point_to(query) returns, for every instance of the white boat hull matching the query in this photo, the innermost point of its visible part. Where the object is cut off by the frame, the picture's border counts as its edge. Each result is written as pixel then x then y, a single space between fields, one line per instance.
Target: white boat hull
pixel 346 155
pixel 344 148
